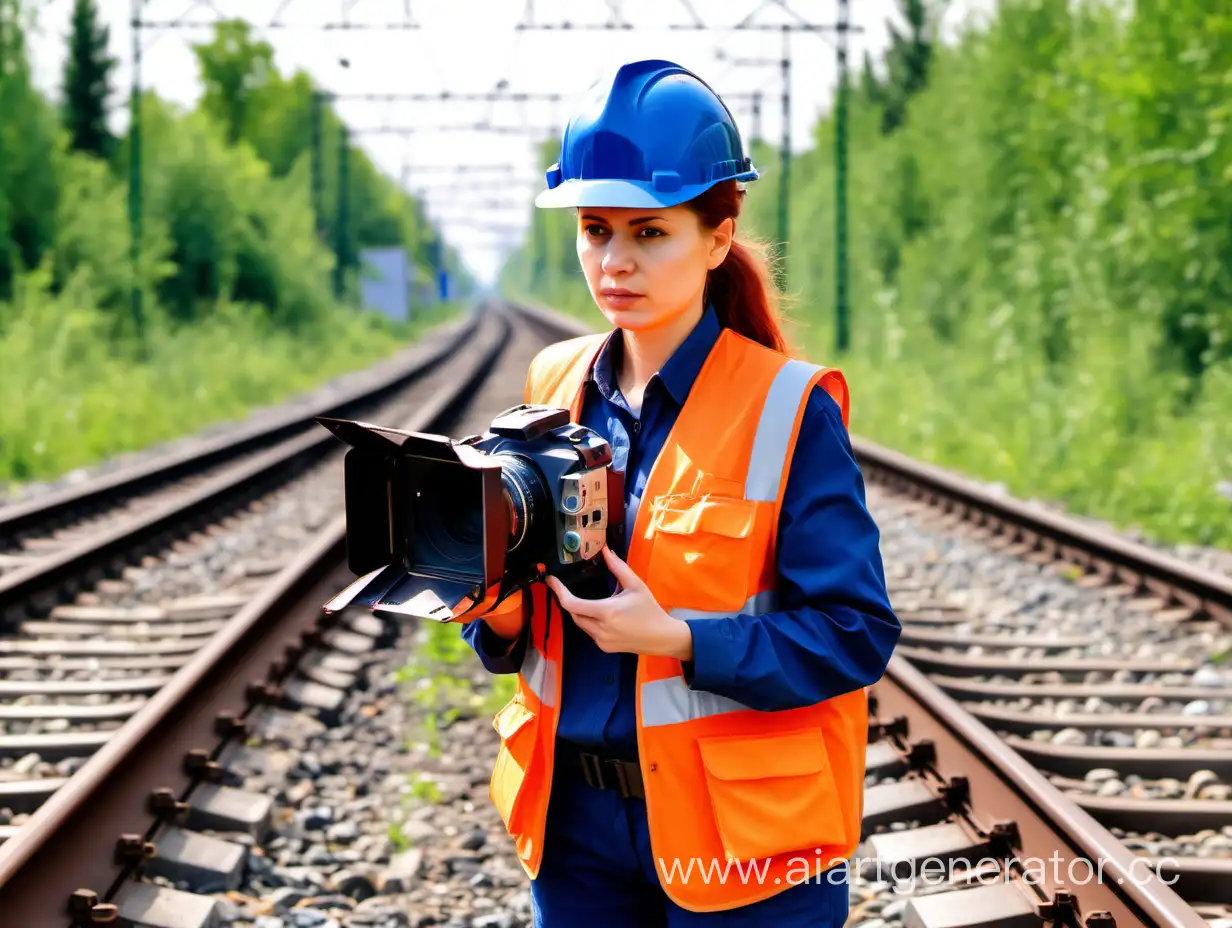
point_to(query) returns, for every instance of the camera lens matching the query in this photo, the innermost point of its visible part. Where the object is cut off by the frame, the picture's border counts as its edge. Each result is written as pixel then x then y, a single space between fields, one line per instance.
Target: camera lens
pixel 451 518
pixel 450 512
pixel 524 493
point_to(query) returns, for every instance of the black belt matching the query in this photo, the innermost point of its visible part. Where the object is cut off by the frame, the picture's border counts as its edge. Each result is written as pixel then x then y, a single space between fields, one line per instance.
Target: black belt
pixel 603 772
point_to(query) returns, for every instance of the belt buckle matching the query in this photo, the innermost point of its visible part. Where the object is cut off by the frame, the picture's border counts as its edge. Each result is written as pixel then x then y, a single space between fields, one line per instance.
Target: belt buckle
pixel 592 769
pixel 622 781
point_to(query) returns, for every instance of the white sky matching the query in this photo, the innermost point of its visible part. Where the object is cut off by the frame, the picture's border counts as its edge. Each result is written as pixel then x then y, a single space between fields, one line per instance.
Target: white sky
pixel 471 46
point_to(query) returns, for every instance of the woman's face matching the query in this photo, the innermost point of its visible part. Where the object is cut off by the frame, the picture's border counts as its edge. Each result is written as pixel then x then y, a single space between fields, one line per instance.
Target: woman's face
pixel 645 267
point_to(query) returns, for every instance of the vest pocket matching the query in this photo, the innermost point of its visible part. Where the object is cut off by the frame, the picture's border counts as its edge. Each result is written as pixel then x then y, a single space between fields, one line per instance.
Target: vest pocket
pixel 517 750
pixel 772 793
pixel 702 552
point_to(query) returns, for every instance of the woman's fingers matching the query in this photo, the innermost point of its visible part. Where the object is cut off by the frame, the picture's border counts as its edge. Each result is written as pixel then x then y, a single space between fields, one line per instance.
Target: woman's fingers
pixel 594 628
pixel 623 573
pixel 577 606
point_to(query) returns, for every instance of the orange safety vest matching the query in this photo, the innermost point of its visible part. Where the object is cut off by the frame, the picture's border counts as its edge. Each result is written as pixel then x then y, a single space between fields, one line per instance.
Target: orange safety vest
pixel 783 790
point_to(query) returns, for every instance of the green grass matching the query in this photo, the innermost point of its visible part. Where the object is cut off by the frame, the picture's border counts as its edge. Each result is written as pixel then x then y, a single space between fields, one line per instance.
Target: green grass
pixel 1097 436
pixel 73 394
pixel 437 678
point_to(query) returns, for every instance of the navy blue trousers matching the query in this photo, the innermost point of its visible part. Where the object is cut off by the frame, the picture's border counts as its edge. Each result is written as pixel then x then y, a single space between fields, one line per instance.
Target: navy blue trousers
pixel 598 872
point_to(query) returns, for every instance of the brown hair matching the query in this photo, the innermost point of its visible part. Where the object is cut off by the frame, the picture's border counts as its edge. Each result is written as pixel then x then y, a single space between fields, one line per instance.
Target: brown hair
pixel 741 288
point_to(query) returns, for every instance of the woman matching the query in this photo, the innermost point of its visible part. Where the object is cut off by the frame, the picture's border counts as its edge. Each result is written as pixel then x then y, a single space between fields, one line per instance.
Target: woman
pixel 686 746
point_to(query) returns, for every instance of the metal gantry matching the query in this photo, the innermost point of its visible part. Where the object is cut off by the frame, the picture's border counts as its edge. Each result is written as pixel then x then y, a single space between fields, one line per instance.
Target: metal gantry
pixel 339 18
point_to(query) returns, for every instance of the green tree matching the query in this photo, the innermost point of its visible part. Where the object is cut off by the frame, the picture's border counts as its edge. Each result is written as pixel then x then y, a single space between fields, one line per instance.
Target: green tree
pixel 234 69
pixel 87 72
pixel 907 61
pixel 28 190
pixel 870 87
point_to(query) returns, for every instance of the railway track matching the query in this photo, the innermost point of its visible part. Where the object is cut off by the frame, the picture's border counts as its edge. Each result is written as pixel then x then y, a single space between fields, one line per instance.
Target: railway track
pixel 159 803
pixel 1106 688
pixel 206 688
pixel 1105 680
pixel 174 572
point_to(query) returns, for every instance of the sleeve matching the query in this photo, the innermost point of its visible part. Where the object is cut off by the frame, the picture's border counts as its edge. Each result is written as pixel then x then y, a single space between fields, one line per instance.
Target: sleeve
pixel 497 654
pixel 835 629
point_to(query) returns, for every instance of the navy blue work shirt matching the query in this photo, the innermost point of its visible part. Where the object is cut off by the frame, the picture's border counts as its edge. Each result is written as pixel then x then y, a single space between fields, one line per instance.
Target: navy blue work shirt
pixel 835 629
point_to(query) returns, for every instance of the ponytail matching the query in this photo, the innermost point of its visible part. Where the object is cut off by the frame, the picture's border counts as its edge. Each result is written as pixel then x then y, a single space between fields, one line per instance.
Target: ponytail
pixel 741 290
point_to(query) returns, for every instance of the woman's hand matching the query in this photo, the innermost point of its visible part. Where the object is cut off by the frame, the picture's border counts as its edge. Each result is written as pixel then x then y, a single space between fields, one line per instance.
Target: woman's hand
pixel 631 621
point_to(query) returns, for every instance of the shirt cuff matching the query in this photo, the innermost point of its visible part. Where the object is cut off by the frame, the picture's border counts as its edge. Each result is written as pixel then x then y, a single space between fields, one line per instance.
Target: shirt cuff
pixel 714 663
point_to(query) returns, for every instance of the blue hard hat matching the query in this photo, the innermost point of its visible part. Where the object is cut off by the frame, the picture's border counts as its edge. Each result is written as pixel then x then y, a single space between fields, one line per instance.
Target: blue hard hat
pixel 657 135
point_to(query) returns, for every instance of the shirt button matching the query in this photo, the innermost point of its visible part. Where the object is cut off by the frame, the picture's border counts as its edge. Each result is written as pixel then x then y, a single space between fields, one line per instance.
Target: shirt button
pixel 653 767
pixel 637 426
pixel 609 679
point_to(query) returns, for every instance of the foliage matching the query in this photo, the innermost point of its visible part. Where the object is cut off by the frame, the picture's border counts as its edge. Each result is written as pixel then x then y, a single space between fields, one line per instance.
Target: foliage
pixel 87 73
pixel 906 65
pixel 73 395
pixel 246 94
pixel 231 265
pixel 234 69
pixel 1041 262
pixel 28 189
pixel 228 195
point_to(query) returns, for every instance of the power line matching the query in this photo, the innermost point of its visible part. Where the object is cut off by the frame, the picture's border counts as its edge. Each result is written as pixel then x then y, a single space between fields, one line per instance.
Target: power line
pixel 494 203
pixel 446 96
pixel 343 22
pixel 419 129
pixel 504 168
pixel 477 187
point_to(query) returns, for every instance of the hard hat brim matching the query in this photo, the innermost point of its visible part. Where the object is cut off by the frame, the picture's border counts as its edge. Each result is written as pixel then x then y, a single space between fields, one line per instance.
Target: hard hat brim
pixel 622 193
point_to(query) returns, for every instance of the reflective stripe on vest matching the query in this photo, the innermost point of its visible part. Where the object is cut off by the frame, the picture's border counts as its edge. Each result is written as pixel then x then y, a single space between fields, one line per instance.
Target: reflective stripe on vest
pixel 669 701
pixel 774 428
pixel 539 673
pixel 758 603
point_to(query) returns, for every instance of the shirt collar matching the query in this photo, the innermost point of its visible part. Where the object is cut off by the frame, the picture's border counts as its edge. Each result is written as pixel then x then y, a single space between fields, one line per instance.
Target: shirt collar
pixel 679 371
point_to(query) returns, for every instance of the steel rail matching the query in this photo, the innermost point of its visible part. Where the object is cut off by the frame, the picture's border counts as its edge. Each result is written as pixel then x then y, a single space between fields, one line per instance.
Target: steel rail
pixel 1099 551
pixel 1007 789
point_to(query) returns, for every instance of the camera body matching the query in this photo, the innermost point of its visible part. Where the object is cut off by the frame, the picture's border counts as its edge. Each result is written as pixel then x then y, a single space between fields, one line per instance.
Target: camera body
pixel 445 529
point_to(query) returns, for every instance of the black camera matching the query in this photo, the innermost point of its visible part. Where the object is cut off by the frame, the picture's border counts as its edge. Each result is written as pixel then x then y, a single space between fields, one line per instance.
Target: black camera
pixel 445 529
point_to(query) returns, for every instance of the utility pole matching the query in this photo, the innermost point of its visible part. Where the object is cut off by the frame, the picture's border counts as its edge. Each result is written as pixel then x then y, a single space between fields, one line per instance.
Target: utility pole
pixel 340 224
pixel 134 177
pixel 539 270
pixel 842 335
pixel 784 180
pixel 785 158
pixel 318 169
